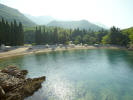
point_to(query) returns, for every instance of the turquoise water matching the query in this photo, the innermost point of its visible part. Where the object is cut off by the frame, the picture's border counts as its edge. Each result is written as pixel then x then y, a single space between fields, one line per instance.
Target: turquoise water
pixel 99 74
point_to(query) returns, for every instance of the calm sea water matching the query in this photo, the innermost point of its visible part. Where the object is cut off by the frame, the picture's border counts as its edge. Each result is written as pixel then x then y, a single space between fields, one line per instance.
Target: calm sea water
pixel 99 74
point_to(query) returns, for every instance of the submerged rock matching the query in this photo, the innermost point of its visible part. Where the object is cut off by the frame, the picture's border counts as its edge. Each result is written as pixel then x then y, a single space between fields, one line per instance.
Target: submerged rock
pixel 15 86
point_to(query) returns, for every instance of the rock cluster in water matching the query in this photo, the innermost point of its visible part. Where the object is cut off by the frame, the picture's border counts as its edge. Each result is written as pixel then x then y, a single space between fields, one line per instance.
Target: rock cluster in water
pixel 15 86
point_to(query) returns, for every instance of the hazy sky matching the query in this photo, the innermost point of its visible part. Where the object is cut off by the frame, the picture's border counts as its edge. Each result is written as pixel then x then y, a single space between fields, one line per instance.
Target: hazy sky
pixel 108 12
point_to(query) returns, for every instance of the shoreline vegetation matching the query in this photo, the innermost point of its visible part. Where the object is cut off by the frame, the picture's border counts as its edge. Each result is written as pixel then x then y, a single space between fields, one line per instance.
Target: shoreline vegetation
pixel 16 36
pixel 25 50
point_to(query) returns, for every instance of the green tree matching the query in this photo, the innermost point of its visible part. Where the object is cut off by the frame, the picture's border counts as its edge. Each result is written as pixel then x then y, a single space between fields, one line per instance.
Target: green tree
pixel 55 36
pixel 115 37
pixel 106 39
pixel 21 34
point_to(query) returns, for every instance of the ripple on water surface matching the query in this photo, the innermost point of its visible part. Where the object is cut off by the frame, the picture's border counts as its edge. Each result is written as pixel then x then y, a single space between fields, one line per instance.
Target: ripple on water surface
pixel 99 74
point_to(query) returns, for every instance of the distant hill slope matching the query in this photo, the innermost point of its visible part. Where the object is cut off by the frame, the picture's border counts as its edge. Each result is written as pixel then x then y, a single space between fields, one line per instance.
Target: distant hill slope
pixel 10 14
pixel 40 20
pixel 82 24
pixel 128 30
pixel 101 25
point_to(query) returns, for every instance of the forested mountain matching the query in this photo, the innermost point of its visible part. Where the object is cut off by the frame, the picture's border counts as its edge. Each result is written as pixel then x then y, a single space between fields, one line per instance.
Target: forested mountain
pixel 57 32
pixel 11 14
pixel 82 24
pixel 50 21
pixel 40 20
pixel 13 34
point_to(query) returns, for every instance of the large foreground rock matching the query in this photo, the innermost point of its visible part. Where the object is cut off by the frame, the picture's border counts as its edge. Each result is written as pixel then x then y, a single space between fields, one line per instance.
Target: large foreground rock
pixel 15 86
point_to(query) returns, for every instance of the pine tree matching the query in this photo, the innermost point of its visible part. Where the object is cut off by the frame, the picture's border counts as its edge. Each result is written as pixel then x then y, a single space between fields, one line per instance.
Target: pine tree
pixel 3 32
pixel 15 33
pixel 38 36
pixel 7 33
pixel 21 34
pixel 11 34
pixel 55 36
pixel 0 33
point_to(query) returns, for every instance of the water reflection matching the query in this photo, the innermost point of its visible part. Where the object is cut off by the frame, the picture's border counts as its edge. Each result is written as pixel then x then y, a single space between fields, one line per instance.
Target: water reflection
pixel 101 74
pixel 19 61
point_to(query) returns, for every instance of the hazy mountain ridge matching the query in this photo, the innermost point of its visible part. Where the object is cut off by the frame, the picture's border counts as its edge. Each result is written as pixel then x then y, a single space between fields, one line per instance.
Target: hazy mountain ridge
pixel 101 25
pixel 11 14
pixel 40 20
pixel 82 24
pixel 50 21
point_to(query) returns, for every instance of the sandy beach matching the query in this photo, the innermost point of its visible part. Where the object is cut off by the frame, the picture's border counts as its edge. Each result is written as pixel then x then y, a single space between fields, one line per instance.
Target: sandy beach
pixel 24 50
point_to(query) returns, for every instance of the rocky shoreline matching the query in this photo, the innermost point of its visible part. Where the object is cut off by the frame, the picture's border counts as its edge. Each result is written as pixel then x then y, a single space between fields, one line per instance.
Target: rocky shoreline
pixel 15 86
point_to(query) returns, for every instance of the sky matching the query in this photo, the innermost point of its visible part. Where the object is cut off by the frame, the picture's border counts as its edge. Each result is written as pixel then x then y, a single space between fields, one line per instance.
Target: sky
pixel 117 13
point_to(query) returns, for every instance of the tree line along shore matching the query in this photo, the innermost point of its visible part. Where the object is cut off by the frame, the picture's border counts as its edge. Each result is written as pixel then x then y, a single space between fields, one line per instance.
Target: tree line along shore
pixel 14 34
